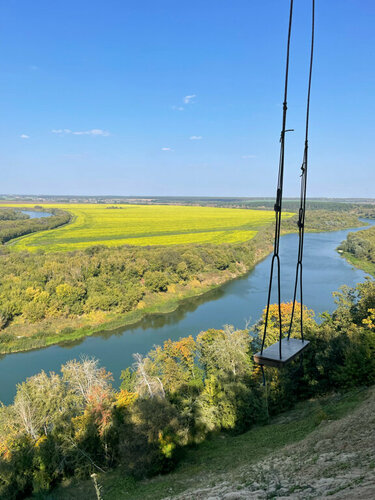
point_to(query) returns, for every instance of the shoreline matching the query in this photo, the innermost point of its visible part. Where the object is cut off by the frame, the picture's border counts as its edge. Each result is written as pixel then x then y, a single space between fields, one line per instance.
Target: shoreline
pixel 364 265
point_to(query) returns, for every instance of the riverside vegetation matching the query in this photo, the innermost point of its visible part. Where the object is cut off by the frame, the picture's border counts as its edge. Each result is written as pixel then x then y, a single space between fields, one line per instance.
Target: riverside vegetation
pixel 48 297
pixel 359 249
pixel 76 424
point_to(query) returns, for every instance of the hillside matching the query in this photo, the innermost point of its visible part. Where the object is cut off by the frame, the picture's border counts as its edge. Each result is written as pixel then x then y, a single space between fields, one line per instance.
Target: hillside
pixel 322 448
pixel 337 460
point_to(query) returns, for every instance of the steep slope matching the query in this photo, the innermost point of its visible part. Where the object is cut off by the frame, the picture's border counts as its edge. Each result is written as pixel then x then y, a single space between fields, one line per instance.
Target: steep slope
pixel 337 460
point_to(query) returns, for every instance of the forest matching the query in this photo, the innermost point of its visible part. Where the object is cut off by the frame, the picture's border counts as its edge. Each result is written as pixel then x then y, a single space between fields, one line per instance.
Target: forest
pixel 181 393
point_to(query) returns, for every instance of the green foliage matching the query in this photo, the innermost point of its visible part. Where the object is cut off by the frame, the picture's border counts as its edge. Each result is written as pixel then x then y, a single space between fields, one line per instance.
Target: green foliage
pixel 156 281
pixel 225 353
pixel 361 245
pixel 128 378
pixel 326 220
pixel 91 285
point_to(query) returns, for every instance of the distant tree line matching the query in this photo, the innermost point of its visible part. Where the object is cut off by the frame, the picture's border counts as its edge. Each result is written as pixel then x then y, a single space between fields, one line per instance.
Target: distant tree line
pixel 75 423
pixel 324 220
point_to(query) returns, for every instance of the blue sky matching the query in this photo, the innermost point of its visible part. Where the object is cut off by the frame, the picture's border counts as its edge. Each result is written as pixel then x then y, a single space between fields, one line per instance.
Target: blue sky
pixel 168 97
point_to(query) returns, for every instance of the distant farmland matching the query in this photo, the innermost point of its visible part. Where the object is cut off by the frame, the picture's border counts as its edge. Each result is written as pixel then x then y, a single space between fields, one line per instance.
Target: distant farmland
pixel 142 225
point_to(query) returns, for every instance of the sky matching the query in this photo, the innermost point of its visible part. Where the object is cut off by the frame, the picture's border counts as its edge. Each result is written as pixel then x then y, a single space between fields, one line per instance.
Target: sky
pixel 168 97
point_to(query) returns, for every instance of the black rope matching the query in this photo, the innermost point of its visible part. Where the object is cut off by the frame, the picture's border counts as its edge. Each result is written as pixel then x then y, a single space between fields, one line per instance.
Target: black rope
pixel 302 209
pixel 279 197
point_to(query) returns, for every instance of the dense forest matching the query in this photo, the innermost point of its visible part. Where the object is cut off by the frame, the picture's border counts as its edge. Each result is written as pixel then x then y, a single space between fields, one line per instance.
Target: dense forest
pixel 13 223
pixel 76 423
pixel 50 291
pixel 45 298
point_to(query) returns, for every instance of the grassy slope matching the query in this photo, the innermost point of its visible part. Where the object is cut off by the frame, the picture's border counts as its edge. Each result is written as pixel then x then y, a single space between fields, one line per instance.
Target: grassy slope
pixel 143 225
pixel 224 463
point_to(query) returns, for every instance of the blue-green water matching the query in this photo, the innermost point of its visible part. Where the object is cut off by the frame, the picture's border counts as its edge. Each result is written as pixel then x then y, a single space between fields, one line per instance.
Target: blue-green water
pixel 36 215
pixel 234 303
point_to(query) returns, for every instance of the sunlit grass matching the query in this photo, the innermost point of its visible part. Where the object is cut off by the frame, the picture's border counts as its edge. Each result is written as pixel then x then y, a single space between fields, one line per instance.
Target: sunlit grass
pixel 142 225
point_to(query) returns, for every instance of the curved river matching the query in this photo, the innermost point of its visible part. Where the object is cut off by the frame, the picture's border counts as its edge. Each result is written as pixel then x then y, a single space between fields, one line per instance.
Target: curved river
pixel 234 303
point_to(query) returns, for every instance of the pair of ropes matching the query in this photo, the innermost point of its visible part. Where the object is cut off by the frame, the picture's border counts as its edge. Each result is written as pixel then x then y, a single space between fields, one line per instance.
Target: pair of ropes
pixel 279 198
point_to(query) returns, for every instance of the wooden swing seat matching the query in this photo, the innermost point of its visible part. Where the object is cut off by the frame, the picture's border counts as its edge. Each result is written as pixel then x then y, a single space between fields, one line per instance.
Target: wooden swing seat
pixel 289 350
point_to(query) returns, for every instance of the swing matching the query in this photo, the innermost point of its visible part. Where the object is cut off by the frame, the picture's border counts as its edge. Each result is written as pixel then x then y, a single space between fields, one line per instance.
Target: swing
pixel 277 355
pixel 287 348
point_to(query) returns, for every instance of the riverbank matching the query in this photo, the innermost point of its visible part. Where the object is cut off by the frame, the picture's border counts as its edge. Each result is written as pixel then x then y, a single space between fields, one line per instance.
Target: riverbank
pixel 363 264
pixel 359 250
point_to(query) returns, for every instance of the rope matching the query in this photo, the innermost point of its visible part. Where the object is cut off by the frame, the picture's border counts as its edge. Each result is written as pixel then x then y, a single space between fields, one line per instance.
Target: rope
pixel 302 209
pixel 279 197
pixel 265 392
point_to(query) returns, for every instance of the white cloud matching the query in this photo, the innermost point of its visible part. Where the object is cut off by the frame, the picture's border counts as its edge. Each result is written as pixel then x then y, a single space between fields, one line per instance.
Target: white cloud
pixel 246 157
pixel 94 131
pixel 24 136
pixel 188 98
pixel 196 137
pixel 166 149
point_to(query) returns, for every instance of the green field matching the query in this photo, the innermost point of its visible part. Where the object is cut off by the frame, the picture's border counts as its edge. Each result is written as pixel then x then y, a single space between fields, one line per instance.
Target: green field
pixel 143 225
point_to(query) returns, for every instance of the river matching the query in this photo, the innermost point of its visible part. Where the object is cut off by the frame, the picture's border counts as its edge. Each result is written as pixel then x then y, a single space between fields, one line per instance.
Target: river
pixel 234 303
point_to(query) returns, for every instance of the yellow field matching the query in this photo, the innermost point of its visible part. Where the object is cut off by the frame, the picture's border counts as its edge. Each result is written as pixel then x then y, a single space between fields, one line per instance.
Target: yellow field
pixel 144 225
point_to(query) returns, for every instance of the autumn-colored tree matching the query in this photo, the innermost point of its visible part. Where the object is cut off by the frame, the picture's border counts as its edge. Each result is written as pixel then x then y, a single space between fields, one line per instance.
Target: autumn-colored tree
pixel 174 362
pixel 273 325
pixel 124 398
